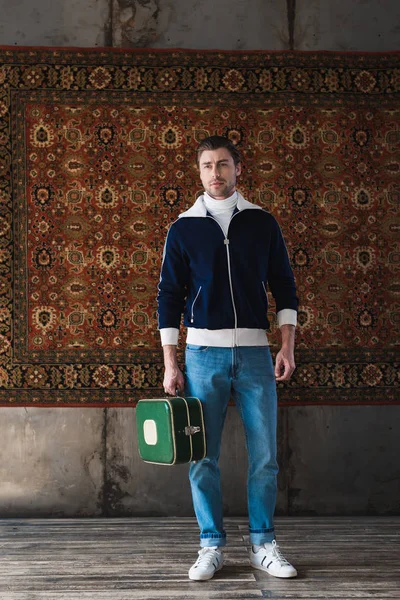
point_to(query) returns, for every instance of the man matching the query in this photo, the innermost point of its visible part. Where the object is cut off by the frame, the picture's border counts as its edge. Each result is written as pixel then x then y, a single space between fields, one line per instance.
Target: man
pixel 219 257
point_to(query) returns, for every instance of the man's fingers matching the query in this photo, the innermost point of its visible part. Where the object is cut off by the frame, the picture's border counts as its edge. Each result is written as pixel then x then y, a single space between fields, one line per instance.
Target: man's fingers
pixel 174 386
pixel 171 389
pixel 281 368
pixel 284 370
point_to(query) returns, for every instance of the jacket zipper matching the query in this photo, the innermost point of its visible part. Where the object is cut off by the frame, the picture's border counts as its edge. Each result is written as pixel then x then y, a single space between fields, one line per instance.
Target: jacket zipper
pixel 193 303
pixel 226 242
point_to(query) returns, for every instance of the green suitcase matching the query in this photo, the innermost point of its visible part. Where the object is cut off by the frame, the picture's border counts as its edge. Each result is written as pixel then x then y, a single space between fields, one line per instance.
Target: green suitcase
pixel 170 430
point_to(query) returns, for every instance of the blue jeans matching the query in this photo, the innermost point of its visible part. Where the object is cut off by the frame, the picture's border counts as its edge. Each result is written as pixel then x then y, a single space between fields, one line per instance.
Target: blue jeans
pixel 247 374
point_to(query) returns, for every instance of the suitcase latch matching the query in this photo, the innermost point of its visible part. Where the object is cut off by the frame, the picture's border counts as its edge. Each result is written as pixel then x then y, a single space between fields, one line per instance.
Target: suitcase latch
pixel 191 429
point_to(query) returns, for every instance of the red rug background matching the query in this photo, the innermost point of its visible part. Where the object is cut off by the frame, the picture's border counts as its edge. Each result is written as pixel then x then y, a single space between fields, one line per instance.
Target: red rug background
pixel 97 159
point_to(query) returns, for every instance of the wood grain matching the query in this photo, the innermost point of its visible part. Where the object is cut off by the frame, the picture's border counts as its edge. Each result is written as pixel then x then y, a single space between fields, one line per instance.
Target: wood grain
pixel 144 558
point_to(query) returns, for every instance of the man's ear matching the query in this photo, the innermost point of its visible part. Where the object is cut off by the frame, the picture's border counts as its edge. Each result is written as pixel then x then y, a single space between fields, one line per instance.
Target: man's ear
pixel 238 168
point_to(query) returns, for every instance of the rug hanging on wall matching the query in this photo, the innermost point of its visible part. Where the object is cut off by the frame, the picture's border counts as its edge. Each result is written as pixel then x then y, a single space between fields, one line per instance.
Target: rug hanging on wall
pixel 97 159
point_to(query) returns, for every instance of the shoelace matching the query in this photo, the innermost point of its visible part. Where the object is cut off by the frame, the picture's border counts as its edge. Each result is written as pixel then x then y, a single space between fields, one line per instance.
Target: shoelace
pixel 278 555
pixel 206 557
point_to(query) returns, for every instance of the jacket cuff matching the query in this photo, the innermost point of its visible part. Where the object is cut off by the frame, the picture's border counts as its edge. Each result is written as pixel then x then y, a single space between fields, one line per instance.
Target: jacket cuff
pixel 287 316
pixel 169 336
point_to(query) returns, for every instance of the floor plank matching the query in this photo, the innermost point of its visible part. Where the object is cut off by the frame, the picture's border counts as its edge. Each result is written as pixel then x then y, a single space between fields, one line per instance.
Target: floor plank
pixel 146 558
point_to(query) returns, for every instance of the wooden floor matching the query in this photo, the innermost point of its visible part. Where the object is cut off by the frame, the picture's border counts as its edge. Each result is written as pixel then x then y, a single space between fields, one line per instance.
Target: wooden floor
pixel 131 559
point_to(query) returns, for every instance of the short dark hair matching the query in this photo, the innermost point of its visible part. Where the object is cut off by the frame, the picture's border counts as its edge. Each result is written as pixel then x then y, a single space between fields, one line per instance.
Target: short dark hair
pixel 214 142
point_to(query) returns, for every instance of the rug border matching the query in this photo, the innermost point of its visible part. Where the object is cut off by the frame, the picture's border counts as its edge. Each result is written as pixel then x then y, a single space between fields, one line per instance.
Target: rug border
pixel 149 50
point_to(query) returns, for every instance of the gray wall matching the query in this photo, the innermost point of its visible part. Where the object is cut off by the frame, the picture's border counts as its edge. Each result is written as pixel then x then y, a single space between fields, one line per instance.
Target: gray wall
pixel 84 462
pixel 341 25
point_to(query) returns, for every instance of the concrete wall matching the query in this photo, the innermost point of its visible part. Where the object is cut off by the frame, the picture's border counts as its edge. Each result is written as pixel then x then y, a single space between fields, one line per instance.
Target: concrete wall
pixel 84 462
pixel 341 25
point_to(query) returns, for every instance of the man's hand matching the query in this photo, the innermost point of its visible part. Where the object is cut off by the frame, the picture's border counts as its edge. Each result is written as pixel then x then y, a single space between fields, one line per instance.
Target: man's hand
pixel 284 364
pixel 173 381
pixel 173 377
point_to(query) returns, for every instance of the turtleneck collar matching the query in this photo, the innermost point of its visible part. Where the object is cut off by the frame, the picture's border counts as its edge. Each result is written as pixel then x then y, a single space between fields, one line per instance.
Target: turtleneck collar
pixel 220 206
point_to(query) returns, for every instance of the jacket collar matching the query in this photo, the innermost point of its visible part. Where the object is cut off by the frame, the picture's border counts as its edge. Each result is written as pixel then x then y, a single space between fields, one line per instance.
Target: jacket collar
pixel 199 208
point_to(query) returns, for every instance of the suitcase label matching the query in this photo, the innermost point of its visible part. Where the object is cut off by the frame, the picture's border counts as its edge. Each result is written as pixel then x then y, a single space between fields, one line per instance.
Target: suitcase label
pixel 150 432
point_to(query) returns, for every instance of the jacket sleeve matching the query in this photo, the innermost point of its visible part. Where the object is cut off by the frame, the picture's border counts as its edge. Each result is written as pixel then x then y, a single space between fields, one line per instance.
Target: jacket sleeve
pixel 172 287
pixel 280 275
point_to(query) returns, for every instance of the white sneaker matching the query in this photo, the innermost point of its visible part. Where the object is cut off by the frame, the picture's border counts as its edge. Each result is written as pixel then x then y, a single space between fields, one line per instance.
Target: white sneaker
pixel 269 558
pixel 209 562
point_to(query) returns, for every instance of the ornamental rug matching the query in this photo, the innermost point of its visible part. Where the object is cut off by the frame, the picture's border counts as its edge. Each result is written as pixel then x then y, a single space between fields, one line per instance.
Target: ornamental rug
pixel 97 159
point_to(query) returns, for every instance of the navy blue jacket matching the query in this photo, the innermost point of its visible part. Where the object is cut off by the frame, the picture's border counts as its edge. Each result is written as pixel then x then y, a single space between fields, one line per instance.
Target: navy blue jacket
pixel 219 282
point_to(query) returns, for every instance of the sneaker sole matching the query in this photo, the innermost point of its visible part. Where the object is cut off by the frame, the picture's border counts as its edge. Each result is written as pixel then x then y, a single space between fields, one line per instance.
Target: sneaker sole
pixel 205 577
pixel 260 568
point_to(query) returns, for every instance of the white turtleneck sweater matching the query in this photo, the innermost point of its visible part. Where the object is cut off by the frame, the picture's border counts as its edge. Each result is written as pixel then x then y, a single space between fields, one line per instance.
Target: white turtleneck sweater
pixel 222 211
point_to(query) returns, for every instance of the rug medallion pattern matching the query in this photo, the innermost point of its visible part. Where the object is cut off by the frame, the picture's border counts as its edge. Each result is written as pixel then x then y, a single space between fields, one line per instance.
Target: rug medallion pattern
pixel 97 159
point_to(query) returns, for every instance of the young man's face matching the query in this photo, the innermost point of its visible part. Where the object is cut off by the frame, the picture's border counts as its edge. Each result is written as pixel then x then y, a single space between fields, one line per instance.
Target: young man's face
pixel 218 173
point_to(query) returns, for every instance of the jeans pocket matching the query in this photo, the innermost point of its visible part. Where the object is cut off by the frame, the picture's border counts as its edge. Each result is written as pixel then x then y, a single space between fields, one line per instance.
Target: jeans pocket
pixel 195 348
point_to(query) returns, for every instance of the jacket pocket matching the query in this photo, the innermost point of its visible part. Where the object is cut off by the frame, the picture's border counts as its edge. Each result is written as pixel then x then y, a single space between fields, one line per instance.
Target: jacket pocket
pixel 265 289
pixel 193 303
pixel 265 295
